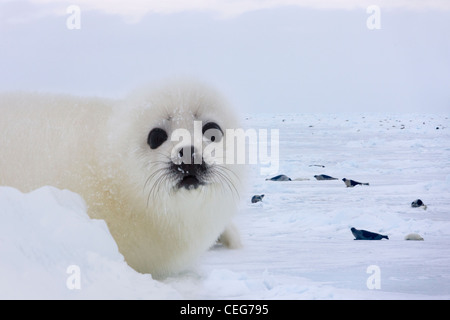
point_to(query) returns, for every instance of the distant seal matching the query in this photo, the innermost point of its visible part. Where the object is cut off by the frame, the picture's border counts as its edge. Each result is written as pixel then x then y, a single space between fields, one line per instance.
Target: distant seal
pixel 257 198
pixel 324 177
pixel 367 235
pixel 413 236
pixel 418 204
pixel 351 183
pixel 280 177
pixel 163 202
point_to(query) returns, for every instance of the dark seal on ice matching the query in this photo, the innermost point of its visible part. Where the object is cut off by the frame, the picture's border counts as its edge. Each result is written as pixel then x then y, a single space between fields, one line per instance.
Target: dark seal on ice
pixel 351 183
pixel 324 177
pixel 280 177
pixel 257 198
pixel 418 204
pixel 367 235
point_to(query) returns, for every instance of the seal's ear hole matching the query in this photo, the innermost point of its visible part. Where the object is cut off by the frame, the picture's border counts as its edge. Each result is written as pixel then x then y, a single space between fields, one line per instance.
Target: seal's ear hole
pixel 156 137
pixel 212 132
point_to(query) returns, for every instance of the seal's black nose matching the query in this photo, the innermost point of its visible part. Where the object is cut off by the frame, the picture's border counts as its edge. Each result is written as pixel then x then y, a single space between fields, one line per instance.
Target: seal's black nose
pixel 191 168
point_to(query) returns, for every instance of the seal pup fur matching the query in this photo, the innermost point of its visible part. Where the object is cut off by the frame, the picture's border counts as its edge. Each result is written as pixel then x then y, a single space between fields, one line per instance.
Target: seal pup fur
pixel 367 235
pixel 414 237
pixel 351 183
pixel 118 155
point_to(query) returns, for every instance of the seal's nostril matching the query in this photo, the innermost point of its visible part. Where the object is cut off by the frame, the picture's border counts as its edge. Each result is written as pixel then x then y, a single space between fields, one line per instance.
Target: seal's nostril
pixel 190 168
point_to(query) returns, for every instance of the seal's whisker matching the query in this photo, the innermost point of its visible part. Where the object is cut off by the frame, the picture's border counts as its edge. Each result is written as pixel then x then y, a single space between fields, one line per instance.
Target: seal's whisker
pixel 220 176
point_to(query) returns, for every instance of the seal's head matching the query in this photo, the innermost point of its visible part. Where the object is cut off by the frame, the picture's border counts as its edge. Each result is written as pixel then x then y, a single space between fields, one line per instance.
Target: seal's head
pixel 170 146
pixel 186 139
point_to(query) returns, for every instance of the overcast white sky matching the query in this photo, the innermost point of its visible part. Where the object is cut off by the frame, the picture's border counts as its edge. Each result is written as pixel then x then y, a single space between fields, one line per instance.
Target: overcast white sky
pixel 270 56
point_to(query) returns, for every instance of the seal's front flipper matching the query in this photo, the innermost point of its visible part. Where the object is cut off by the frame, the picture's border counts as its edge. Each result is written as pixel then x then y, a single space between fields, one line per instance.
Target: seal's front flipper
pixel 230 237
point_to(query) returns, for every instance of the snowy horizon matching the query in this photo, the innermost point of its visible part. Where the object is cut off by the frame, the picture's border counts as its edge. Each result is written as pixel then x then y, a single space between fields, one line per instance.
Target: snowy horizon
pixel 133 11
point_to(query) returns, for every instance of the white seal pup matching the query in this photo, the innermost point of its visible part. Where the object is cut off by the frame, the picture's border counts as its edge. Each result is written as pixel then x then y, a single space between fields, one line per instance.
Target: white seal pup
pixel 414 236
pixel 163 209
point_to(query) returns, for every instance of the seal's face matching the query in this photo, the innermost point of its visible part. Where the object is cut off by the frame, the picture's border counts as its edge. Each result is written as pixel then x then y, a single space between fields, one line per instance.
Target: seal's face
pixel 176 146
pixel 187 167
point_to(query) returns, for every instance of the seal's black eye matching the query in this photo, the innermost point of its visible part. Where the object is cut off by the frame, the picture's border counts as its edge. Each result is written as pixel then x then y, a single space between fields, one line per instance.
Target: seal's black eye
pixel 156 137
pixel 212 132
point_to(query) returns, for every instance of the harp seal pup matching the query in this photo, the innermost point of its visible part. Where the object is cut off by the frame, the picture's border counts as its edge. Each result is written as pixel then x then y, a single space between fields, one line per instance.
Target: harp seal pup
pixel 162 209
pixel 414 236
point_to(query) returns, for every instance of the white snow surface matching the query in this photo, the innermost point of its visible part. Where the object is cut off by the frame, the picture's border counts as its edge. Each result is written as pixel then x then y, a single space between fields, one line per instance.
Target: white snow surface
pixel 297 241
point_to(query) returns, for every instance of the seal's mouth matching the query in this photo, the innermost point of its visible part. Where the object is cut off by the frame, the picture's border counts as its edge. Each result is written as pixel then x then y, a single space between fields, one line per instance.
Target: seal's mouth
pixel 189 168
pixel 189 182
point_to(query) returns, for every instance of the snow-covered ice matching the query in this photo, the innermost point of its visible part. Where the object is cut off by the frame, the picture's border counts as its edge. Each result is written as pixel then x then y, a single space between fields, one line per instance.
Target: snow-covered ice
pixel 297 241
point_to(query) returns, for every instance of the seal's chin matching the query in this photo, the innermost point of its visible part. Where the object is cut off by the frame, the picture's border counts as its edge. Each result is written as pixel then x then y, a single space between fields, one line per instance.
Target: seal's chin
pixel 189 182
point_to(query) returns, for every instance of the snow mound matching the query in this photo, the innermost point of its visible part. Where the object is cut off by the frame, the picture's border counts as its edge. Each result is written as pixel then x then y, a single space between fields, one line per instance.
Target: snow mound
pixel 51 249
